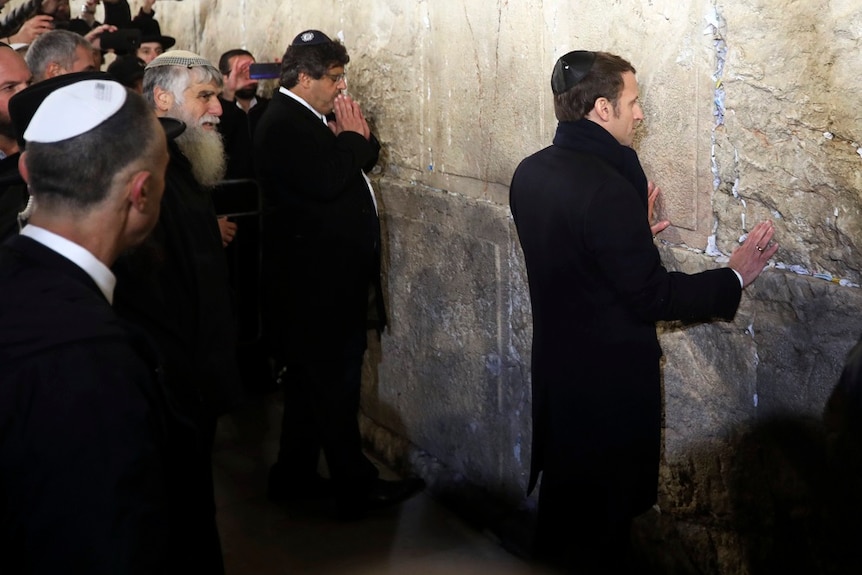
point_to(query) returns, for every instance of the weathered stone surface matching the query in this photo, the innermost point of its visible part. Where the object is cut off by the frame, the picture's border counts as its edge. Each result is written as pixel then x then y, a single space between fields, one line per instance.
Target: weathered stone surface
pixel 750 114
pixel 792 133
pixel 450 378
pixel 744 472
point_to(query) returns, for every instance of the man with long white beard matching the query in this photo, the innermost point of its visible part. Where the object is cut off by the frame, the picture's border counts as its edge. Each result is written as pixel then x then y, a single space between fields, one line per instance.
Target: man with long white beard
pixel 175 285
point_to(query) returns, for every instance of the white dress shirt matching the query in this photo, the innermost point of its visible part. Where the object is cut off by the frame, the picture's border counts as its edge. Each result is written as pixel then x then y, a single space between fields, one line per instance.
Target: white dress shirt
pixel 100 273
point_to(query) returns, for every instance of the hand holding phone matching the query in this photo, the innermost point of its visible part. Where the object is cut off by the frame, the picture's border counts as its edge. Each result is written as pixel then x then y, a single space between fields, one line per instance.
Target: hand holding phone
pixel 264 71
pixel 121 41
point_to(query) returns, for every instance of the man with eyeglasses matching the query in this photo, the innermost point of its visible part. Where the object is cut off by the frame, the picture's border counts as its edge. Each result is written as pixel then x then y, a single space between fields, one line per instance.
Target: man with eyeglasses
pixel 312 149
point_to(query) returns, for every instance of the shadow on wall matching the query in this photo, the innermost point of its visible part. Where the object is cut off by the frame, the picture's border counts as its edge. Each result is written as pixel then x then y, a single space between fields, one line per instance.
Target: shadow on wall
pixel 495 513
pixel 794 490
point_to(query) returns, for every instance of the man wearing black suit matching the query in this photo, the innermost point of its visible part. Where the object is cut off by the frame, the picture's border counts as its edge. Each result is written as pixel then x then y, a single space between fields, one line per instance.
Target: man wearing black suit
pixel 87 435
pixel 597 287
pixel 322 274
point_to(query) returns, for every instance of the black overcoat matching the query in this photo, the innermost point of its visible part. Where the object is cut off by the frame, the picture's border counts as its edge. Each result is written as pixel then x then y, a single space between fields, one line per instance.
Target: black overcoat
pixel 13 196
pixel 597 287
pixel 175 285
pixel 322 247
pixel 88 444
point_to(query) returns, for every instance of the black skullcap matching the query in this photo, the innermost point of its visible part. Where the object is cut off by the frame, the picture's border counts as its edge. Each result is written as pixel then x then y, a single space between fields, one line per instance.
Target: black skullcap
pixel 152 32
pixel 24 104
pixel 310 38
pixel 571 69
pixel 172 127
pixel 127 69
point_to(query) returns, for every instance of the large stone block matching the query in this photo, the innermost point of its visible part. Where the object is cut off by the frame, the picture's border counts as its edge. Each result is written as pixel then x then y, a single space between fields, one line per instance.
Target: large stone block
pixel 744 479
pixel 450 378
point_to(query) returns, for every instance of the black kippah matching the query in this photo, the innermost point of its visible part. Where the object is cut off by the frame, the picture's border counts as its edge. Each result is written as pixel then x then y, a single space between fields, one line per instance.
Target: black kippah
pixel 172 127
pixel 571 69
pixel 310 38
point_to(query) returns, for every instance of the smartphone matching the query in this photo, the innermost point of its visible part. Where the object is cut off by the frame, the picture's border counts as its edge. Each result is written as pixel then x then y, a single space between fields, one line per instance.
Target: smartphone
pixel 264 71
pixel 123 41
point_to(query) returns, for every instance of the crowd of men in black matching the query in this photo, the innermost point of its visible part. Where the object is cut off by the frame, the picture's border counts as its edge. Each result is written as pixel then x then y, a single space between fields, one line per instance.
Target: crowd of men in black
pixel 119 318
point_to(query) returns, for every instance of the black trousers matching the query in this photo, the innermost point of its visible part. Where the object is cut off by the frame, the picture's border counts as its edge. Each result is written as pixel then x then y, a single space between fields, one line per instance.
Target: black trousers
pixel 582 528
pixel 200 542
pixel 321 403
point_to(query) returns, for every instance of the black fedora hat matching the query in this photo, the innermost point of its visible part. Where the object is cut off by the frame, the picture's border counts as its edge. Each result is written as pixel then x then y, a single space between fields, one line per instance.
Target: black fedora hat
pixel 152 32
pixel 127 69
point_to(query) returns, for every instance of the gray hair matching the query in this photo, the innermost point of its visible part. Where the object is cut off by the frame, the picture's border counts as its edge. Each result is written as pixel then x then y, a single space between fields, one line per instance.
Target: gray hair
pixel 54 47
pixel 176 79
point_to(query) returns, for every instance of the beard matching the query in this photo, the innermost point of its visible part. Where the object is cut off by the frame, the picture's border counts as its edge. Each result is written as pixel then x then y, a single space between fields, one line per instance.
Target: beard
pixel 246 93
pixel 203 148
pixel 6 128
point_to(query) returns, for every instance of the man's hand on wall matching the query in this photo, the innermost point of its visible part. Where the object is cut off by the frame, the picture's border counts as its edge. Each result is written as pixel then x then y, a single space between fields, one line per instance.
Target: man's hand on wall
pixel 657 227
pixel 750 258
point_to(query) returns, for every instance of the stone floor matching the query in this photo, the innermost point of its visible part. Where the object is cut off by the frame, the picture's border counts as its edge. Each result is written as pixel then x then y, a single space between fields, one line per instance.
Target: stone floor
pixel 419 537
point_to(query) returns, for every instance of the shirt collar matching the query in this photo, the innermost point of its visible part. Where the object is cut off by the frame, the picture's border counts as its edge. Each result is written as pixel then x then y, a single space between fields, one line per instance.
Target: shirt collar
pixel 251 105
pixel 104 278
pixel 287 92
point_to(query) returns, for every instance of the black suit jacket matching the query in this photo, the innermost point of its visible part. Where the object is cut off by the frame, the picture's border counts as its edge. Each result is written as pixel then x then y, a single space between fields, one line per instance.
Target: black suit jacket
pixel 322 252
pixel 236 127
pixel 88 444
pixel 597 287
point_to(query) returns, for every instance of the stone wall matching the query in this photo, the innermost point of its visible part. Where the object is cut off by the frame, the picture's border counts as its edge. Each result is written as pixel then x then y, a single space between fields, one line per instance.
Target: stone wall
pixel 751 113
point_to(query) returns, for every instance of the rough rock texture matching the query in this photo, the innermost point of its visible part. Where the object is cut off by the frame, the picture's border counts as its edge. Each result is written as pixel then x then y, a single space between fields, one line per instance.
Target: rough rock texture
pixel 751 113
pixel 461 390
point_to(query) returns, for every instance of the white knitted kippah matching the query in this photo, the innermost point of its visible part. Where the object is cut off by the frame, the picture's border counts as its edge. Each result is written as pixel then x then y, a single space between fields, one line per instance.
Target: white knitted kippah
pixel 182 58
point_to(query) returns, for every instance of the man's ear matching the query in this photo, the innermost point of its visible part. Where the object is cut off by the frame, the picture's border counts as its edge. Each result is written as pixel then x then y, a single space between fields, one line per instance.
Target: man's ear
pixel 163 99
pixel 603 108
pixel 22 168
pixel 138 192
pixel 304 79
pixel 53 69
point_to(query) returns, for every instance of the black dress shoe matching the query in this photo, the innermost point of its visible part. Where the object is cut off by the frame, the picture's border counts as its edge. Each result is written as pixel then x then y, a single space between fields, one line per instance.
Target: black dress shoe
pixel 385 493
pixel 381 494
pixel 312 488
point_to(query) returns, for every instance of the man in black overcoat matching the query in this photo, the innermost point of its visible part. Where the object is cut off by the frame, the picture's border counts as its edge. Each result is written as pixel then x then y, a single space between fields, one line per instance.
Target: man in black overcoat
pixel 322 273
pixel 87 437
pixel 175 284
pixel 597 287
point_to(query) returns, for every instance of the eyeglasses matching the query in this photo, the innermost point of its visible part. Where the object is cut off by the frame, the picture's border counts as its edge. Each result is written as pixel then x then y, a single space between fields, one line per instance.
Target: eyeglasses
pixel 336 78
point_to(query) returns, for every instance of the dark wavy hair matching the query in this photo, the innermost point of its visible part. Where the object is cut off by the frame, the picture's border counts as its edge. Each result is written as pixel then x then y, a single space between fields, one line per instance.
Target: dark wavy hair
pixel 313 60
pixel 604 80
